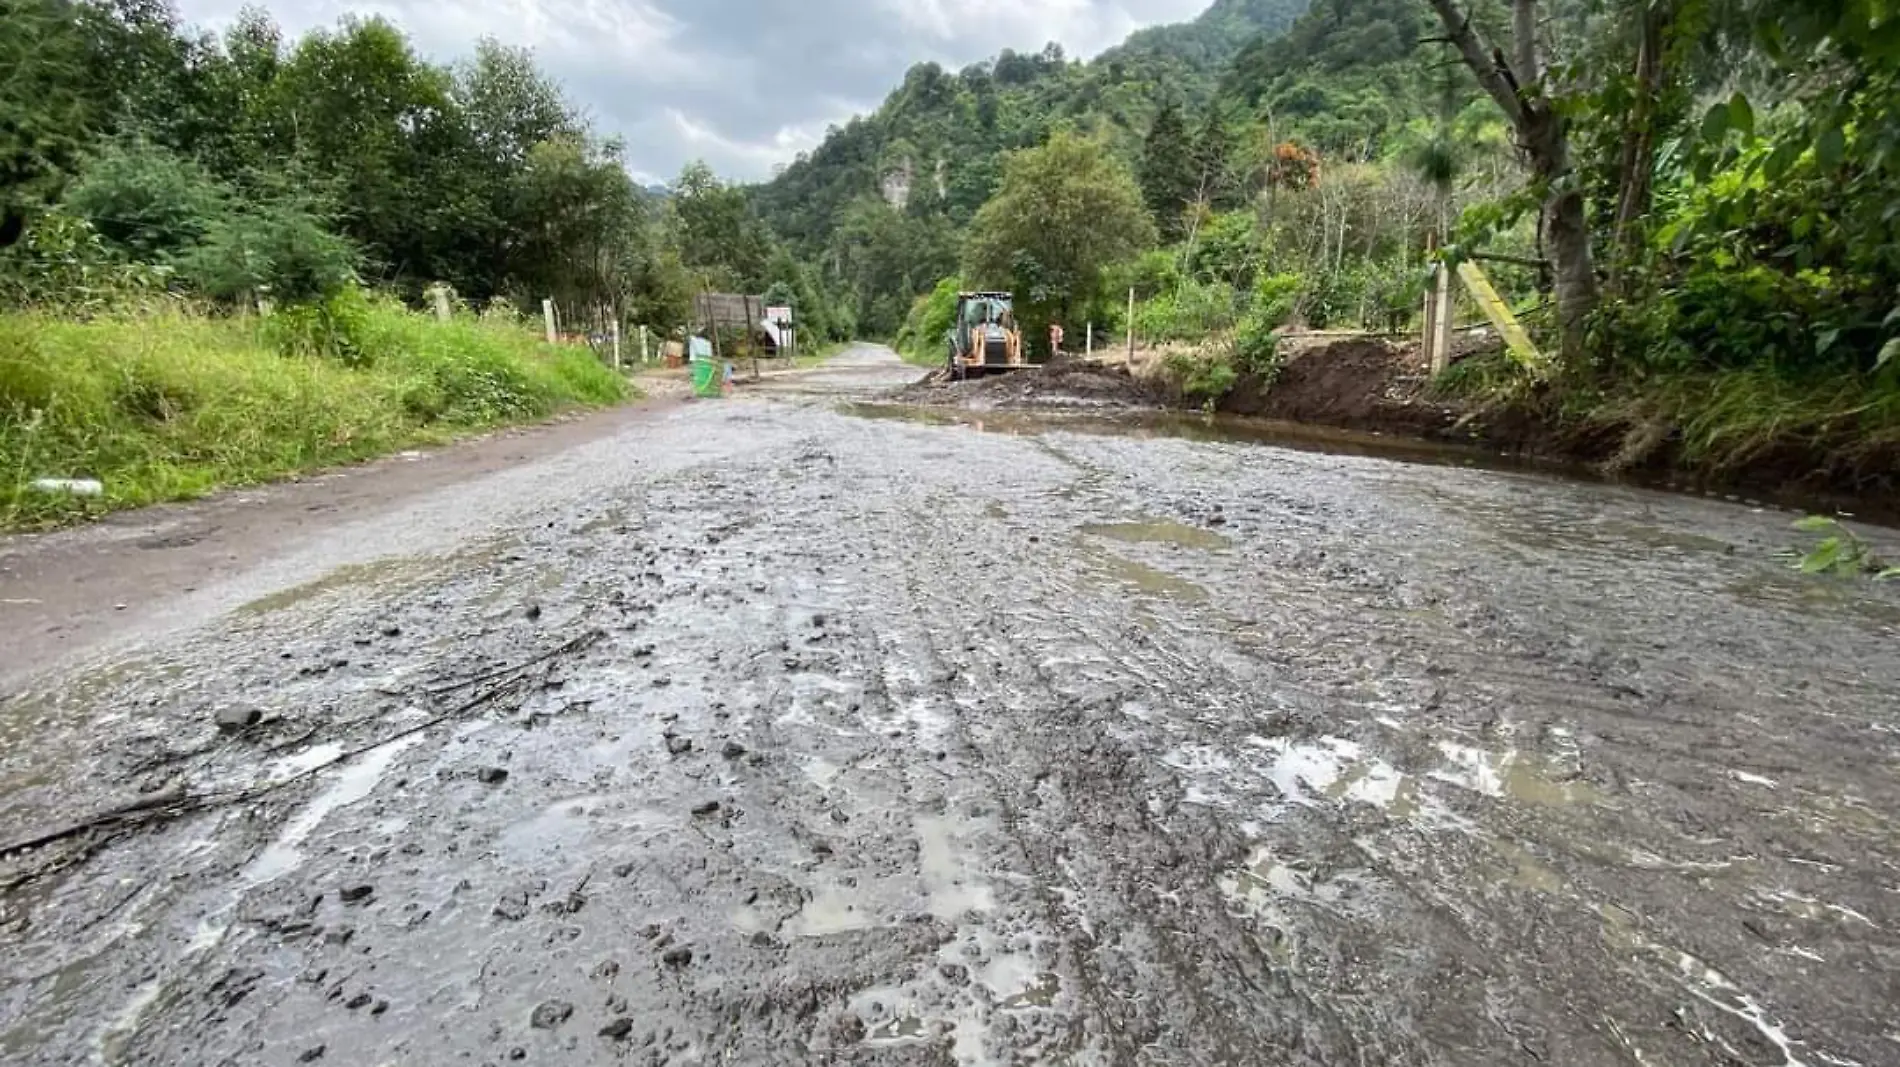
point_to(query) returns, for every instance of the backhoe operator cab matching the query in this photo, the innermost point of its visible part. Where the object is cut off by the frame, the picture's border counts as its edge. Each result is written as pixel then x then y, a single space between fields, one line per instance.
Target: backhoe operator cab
pixel 985 337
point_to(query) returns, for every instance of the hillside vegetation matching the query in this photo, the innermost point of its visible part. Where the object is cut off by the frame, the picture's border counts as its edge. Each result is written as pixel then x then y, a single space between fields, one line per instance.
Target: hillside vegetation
pixel 1690 201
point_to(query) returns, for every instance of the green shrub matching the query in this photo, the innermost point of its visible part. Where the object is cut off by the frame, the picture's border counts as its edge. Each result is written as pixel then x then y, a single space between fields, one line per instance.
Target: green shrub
pixel 1193 311
pixel 63 264
pixel 931 317
pixel 1256 343
pixel 1204 376
pixel 281 250
pixel 149 204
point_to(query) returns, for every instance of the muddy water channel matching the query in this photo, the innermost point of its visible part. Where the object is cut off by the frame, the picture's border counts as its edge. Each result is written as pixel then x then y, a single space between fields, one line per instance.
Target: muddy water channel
pixel 813 738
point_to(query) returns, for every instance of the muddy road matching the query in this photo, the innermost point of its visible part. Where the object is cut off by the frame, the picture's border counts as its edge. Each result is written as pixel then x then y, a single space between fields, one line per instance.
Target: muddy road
pixel 765 732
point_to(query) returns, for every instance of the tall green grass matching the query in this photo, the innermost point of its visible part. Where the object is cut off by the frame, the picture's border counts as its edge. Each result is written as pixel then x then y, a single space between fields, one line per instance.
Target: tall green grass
pixel 1723 423
pixel 173 405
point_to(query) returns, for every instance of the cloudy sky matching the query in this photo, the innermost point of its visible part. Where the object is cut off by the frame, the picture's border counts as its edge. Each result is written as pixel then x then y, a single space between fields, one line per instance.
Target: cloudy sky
pixel 742 84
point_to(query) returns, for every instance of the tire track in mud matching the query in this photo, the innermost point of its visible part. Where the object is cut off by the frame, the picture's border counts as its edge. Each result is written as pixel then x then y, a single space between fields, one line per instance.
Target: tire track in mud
pixel 917 745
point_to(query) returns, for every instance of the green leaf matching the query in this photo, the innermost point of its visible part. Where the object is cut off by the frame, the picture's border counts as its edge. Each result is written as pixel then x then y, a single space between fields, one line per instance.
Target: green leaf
pixel 1825 557
pixel 1741 115
pixel 1816 524
pixel 1825 341
pixel 1891 574
pixel 1831 147
pixel 1888 353
pixel 1715 124
pixel 1780 160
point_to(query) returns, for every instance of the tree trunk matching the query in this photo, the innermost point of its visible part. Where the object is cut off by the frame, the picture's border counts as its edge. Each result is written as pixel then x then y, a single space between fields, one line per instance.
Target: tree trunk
pixel 1530 75
pixel 1517 87
pixel 1639 143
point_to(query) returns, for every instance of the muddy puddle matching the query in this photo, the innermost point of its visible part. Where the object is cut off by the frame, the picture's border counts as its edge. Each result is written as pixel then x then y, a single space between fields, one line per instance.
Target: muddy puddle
pixel 884 741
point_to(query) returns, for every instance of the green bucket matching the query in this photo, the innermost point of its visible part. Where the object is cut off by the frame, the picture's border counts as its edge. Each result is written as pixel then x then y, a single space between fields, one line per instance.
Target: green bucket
pixel 706 381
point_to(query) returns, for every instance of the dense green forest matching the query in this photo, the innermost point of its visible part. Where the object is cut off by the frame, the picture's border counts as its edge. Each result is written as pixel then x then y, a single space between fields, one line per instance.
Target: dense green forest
pixel 251 166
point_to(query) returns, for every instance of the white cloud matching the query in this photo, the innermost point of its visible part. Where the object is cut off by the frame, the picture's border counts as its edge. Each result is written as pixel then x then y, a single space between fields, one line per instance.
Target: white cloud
pixel 743 84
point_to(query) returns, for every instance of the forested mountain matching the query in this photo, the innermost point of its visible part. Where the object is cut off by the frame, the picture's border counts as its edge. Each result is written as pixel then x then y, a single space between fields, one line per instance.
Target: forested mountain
pixel 1212 40
pixel 879 204
pixel 1347 74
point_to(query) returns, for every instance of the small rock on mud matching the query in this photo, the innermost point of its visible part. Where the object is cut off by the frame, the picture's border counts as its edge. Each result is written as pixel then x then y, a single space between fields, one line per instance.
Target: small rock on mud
pixel 512 906
pixel 355 894
pixel 551 1014
pixel 618 1030
pixel 231 720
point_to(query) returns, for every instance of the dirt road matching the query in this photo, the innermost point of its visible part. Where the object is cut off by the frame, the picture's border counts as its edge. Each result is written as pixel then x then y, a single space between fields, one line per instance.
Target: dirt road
pixel 763 732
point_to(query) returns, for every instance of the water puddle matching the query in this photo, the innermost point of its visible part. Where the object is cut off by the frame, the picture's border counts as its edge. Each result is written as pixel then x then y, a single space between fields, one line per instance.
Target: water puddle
pixel 903 1030
pixel 947 882
pixel 1159 531
pixel 1376 783
pixel 353 782
pixel 1525 871
pixel 1511 775
pixel 1040 993
pixel 892 1016
pixel 1265 878
pixel 1113 570
pixel 345 577
pixel 1812 910
pixel 1192 427
pixel 1336 769
pixel 1018 982
pixel 829 912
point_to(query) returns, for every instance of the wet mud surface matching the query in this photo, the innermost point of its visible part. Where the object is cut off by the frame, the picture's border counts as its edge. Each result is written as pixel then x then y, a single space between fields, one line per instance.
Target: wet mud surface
pixel 813 738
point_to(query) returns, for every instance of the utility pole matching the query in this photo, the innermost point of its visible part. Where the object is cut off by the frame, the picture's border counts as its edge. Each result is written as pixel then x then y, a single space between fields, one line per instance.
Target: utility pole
pixel 643 344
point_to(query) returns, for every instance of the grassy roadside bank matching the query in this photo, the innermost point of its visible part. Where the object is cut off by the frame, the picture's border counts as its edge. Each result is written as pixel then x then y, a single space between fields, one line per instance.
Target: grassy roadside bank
pixel 172 405
pixel 1745 428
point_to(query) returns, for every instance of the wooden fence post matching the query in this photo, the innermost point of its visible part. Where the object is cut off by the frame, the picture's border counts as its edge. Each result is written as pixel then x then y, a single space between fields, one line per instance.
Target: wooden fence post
pixel 616 335
pixel 547 315
pixel 1131 326
pixel 1440 343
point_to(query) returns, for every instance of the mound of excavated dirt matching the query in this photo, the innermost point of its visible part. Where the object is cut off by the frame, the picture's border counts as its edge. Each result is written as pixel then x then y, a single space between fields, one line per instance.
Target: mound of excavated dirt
pixel 1358 383
pixel 1068 384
